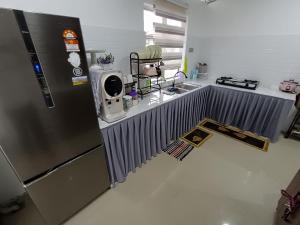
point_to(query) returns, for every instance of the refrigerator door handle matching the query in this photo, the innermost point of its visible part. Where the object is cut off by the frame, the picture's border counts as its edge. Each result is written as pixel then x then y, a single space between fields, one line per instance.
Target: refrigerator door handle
pixel 37 67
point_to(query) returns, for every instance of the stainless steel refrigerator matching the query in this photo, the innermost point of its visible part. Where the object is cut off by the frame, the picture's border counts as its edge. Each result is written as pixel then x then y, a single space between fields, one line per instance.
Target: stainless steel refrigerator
pixel 52 157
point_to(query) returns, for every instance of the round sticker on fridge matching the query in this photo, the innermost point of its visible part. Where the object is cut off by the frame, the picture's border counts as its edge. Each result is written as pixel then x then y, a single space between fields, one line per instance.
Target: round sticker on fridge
pixel 77 71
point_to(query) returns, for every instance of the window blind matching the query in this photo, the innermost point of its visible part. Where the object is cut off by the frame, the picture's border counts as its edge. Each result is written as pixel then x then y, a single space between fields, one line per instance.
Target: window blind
pixel 170 9
pixel 168 30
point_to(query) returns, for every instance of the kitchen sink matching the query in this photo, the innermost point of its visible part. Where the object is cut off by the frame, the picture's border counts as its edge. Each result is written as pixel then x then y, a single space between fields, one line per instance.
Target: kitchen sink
pixel 181 88
pixel 175 90
pixel 187 86
pixel 180 91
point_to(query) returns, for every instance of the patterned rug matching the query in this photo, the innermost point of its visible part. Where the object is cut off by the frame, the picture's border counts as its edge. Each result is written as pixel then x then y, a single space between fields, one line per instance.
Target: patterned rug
pixel 246 137
pixel 179 149
pixel 196 137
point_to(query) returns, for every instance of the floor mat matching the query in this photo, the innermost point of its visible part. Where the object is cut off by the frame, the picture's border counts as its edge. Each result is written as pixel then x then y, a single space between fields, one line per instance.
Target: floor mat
pixel 179 149
pixel 196 137
pixel 237 134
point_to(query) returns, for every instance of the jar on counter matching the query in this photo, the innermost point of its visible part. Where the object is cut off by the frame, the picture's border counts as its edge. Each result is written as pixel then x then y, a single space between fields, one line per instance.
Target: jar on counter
pixel 127 102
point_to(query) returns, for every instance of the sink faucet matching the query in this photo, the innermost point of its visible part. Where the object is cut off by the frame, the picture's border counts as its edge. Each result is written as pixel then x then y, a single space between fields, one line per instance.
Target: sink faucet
pixel 176 75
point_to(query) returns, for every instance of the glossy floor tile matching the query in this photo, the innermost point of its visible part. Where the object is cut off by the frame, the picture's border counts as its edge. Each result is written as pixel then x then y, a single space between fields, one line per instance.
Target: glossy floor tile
pixel 224 182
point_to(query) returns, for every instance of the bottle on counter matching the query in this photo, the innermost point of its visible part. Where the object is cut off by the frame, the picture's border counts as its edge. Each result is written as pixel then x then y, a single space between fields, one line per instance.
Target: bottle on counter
pixel 134 95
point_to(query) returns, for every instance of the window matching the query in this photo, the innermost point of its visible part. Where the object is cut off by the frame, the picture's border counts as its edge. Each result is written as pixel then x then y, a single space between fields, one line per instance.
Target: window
pixel 165 25
pixel 175 23
pixel 149 19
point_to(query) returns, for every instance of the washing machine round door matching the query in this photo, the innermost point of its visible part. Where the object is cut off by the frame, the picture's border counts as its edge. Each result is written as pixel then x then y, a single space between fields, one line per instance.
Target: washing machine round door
pixel 113 85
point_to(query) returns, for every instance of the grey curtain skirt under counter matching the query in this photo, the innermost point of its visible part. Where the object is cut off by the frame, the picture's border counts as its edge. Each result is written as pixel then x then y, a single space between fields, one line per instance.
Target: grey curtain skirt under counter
pixel 131 142
pixel 260 114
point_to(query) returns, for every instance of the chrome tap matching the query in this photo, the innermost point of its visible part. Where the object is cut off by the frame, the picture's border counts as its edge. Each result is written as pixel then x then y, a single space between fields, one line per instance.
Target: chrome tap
pixel 176 75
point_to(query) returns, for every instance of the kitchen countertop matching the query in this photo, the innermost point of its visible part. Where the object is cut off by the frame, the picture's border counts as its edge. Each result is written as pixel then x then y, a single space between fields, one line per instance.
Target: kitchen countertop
pixel 157 98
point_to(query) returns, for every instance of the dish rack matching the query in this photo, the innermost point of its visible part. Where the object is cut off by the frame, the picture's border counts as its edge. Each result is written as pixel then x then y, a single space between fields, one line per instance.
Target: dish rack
pixel 136 61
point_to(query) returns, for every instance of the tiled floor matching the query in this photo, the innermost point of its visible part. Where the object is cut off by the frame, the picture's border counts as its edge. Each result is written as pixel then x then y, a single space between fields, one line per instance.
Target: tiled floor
pixel 222 183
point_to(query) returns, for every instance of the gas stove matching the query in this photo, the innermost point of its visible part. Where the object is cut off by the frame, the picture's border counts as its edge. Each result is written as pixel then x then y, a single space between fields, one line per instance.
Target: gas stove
pixel 230 81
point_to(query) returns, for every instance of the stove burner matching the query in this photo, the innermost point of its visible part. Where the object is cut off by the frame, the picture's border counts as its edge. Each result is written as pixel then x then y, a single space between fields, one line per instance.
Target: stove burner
pixel 246 84
pixel 251 81
pixel 226 78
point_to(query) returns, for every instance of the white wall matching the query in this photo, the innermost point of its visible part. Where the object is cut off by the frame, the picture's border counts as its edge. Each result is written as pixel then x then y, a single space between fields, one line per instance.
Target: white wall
pixel 258 39
pixel 114 25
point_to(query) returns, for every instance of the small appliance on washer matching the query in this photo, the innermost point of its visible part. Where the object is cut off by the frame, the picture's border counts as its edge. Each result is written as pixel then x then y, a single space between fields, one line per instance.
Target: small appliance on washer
pixel 111 92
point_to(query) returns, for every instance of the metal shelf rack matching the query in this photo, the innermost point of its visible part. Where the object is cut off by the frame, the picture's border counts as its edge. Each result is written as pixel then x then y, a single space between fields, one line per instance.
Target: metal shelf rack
pixel 137 61
pixel 295 125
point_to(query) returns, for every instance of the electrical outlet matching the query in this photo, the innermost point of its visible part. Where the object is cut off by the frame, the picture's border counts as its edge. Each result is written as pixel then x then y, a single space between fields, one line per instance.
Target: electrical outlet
pixel 191 49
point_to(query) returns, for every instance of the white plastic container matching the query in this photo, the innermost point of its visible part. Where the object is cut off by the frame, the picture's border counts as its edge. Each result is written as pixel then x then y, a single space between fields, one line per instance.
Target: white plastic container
pixel 127 101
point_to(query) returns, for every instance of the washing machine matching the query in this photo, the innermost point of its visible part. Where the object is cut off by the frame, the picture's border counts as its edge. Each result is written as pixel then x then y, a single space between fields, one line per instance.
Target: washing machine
pixel 111 91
